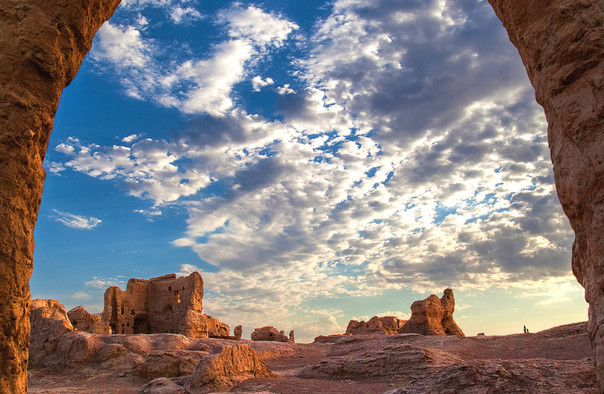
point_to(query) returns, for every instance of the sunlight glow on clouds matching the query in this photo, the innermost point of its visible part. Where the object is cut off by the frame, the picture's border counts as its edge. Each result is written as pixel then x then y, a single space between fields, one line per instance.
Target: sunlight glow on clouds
pixel 413 156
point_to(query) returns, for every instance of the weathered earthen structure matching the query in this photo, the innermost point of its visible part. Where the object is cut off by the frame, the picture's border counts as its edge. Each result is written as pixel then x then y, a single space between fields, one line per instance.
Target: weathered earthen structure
pixel 87 322
pixel 376 325
pixel 433 316
pixel 238 331
pixel 561 43
pixel 167 304
pixel 269 333
pixel 43 43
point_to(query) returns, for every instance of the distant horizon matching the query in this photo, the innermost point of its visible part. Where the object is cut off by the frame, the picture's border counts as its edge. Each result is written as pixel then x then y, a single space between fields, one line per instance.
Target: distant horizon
pixel 315 162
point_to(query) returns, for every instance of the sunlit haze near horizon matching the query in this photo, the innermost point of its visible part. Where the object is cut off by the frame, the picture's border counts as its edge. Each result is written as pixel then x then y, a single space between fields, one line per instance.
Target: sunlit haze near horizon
pixel 316 162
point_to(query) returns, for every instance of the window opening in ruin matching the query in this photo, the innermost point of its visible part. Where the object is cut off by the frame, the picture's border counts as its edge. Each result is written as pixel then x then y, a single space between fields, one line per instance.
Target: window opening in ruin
pixel 170 289
pixel 132 312
pixel 141 325
pixel 122 309
pixel 177 297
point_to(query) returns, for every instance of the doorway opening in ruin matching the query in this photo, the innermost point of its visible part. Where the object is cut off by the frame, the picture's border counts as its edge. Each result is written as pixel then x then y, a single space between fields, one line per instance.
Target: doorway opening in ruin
pixel 141 325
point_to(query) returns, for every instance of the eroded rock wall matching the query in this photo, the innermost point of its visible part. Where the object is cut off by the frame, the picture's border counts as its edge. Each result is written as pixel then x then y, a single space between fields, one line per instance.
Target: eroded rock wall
pixel 561 43
pixel 42 45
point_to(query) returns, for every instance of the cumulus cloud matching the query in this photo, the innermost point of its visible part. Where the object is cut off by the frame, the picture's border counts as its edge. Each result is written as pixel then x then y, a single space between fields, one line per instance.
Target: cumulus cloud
pixel 414 157
pixel 193 85
pixel 258 83
pixel 77 222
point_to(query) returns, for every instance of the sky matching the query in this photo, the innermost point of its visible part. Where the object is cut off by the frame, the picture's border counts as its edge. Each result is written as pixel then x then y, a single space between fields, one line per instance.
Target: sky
pixel 315 161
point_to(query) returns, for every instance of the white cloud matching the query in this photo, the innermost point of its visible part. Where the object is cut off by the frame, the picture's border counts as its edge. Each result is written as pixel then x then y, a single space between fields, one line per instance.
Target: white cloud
pixel 80 295
pixel 195 85
pixel 184 14
pixel 128 139
pixel 104 283
pixel 258 83
pixel 415 157
pixel 77 222
pixel 285 89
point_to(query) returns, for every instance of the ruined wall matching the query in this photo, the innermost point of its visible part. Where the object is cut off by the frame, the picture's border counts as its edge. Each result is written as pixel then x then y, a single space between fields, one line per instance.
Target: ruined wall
pixel 561 43
pixel 42 45
pixel 164 304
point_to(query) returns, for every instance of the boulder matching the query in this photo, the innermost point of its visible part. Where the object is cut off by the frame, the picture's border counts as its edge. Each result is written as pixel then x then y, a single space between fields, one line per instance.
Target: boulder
pixel 560 43
pixel 232 365
pixel 433 316
pixel 268 333
pixel 376 325
pixel 292 336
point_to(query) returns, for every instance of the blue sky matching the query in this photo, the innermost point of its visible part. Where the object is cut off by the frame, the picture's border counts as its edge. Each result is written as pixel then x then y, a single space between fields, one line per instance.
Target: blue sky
pixel 315 161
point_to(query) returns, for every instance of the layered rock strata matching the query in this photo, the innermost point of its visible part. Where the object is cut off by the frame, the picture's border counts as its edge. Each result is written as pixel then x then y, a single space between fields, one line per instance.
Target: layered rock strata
pixel 561 43
pixel 42 45
pixel 433 316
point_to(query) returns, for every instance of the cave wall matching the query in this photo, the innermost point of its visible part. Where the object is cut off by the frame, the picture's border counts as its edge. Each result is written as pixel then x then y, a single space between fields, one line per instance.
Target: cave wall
pixel 561 43
pixel 42 45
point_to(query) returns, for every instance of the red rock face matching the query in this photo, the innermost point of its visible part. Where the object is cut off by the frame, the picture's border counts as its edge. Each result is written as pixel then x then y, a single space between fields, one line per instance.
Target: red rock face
pixel 42 45
pixel 433 316
pixel 561 43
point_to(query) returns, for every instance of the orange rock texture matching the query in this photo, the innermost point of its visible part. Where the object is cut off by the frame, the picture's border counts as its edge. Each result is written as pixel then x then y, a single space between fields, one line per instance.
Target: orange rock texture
pixel 561 43
pixel 42 45
pixel 433 316
pixel 165 304
pixel 376 325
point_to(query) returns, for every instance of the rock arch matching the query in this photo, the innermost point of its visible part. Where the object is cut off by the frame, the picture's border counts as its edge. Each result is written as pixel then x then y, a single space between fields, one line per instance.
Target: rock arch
pixel 43 43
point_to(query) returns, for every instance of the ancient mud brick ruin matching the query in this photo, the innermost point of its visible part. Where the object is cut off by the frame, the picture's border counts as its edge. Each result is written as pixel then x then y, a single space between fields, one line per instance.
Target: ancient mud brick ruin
pixel 166 304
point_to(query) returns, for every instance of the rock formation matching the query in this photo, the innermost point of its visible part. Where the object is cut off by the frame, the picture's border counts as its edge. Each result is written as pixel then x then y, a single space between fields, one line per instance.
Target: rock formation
pixel 201 364
pixel 561 43
pixel 238 331
pixel 269 333
pixel 87 322
pixel 292 336
pixel 233 364
pixel 42 45
pixel 433 316
pixel 376 325
pixel 164 304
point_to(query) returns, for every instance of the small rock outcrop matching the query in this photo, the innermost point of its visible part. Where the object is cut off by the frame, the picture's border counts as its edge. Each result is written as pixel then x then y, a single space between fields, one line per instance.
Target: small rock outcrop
pixel 166 304
pixel 433 316
pixel 87 322
pixel 49 322
pixel 292 336
pixel 233 364
pixel 238 331
pixel 42 45
pixel 561 43
pixel 269 333
pixel 376 325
